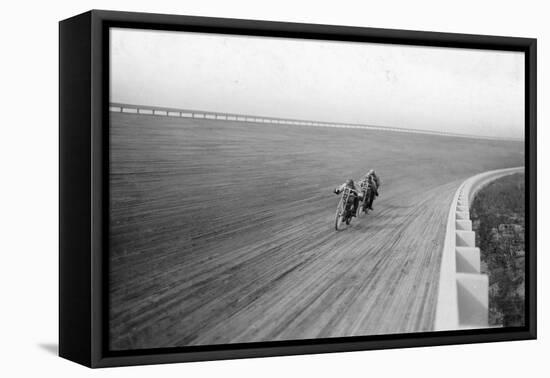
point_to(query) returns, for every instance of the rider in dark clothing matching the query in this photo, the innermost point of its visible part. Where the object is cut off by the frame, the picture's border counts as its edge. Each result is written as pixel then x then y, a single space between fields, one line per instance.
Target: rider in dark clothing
pixel 374 181
pixel 354 194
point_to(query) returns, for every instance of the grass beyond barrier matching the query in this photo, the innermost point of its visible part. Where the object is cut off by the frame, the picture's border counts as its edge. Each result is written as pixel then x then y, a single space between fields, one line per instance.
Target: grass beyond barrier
pixel 498 216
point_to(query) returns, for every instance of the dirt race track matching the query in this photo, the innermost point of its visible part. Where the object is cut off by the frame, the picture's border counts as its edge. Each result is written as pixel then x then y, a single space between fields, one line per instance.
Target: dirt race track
pixel 223 232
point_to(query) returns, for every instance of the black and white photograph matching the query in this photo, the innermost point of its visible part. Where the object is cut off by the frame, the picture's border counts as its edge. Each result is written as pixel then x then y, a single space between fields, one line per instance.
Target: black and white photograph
pixel 269 189
pixel 244 189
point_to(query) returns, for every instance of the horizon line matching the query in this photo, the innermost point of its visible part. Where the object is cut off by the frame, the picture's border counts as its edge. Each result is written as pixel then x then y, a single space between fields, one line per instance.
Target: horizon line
pixel 213 115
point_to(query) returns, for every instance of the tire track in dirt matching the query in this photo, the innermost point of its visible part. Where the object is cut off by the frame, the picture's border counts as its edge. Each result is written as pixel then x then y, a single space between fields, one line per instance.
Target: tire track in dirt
pixel 222 232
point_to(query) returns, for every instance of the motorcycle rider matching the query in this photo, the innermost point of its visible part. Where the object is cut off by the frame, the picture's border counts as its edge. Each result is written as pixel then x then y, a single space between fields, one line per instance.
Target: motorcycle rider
pixel 372 179
pixel 354 193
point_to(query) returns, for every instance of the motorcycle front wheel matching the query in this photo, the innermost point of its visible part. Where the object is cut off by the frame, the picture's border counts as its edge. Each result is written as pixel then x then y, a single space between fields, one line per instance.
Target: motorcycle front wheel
pixel 339 221
pixel 361 210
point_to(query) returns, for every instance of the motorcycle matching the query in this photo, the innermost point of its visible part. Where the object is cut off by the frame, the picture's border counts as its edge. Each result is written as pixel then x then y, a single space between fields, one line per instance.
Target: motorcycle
pixel 344 210
pixel 367 196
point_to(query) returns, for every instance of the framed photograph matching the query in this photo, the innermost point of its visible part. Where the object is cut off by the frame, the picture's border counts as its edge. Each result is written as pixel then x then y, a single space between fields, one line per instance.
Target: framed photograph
pixel 235 188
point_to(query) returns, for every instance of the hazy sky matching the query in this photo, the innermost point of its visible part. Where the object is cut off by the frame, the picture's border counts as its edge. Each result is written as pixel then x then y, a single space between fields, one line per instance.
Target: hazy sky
pixel 453 90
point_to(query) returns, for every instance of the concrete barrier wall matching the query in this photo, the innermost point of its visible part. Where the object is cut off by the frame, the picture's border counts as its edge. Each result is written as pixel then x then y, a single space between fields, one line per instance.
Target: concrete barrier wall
pixel 463 298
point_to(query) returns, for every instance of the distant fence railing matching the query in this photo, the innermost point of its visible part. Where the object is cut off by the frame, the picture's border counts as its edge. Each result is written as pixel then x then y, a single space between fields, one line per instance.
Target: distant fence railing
pixel 222 116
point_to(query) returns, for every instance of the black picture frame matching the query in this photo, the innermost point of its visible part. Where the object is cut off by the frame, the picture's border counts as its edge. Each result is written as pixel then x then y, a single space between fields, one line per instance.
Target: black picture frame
pixel 83 194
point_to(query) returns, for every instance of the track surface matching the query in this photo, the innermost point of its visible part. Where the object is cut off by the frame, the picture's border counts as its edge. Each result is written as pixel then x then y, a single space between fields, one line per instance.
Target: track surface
pixel 222 232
